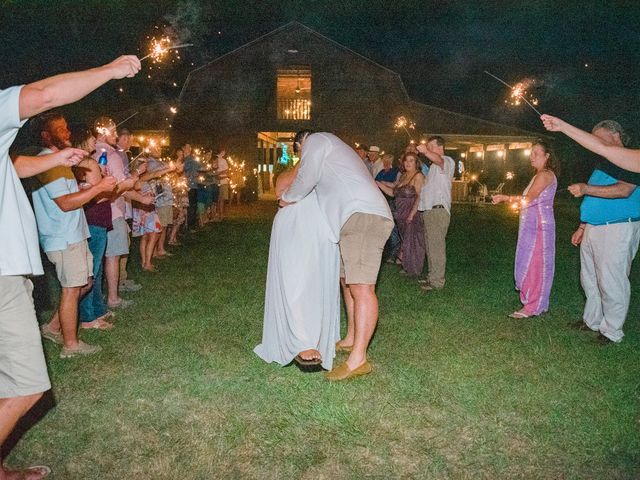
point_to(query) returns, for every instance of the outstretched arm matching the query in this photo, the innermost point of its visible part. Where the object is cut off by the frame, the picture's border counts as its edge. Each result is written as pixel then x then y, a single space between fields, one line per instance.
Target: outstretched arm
pixel 73 201
pixel 67 88
pixel 27 166
pixel 623 157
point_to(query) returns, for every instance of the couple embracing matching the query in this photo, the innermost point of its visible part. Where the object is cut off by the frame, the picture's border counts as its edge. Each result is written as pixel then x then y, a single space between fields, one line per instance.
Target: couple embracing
pixel 331 230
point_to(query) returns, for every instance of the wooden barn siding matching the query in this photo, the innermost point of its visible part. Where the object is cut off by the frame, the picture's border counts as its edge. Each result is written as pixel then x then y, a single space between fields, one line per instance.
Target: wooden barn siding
pixel 235 97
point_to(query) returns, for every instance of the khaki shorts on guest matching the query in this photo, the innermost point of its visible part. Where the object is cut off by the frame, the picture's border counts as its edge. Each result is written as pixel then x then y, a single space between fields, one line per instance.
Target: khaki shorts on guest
pixel 165 215
pixel 223 192
pixel 74 265
pixel 118 239
pixel 23 370
pixel 362 240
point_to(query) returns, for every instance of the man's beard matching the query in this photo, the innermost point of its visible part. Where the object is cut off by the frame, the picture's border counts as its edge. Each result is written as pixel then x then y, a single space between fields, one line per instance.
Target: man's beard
pixel 60 143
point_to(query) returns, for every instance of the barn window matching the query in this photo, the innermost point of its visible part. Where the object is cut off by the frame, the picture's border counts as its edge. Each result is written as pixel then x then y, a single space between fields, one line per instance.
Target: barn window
pixel 294 93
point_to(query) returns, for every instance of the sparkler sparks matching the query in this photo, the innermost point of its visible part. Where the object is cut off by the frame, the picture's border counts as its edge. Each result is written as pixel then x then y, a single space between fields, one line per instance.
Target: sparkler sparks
pixel 160 48
pixel 403 123
pixel 519 93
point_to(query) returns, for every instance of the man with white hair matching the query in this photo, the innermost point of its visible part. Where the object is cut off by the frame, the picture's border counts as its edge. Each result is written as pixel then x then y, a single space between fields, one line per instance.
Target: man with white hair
pixel 608 235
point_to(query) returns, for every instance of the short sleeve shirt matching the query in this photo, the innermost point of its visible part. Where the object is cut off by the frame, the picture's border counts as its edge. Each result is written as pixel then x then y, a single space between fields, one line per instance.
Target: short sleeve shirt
pixel 437 186
pixel 600 211
pixel 57 229
pixel 19 251
pixel 223 171
pixel 191 168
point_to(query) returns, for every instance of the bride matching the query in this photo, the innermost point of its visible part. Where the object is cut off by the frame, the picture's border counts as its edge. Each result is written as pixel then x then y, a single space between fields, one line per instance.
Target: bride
pixel 302 302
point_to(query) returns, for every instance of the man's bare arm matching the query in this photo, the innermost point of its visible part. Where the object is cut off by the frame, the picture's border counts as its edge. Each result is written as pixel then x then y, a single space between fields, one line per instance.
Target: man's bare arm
pixel 59 90
pixel 619 189
pixel 73 201
pixel 626 158
pixel 27 166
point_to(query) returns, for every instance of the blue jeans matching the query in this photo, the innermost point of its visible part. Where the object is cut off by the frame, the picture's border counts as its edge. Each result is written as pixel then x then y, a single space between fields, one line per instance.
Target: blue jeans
pixel 92 304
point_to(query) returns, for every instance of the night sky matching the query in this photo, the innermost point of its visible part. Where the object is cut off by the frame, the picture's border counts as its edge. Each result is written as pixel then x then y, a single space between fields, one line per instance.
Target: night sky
pixel 583 55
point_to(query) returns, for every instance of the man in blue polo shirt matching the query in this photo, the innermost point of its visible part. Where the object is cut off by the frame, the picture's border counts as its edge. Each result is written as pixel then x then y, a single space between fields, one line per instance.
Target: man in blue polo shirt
pixel 608 236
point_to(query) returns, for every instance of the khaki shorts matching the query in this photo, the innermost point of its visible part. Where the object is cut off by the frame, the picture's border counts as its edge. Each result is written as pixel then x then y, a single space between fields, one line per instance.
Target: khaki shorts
pixel 74 265
pixel 23 370
pixel 223 193
pixel 362 240
pixel 118 239
pixel 165 215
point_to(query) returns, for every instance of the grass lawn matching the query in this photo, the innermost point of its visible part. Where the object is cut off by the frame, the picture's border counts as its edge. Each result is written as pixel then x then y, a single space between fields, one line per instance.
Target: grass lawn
pixel 458 389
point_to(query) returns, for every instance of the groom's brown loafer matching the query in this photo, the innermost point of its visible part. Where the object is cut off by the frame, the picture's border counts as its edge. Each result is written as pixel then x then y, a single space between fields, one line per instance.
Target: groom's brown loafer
pixel 342 372
pixel 343 348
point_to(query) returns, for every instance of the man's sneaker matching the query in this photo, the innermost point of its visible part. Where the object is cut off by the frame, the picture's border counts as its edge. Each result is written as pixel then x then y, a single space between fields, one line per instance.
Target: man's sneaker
pixel 81 349
pixel 55 337
pixel 129 286
pixel 122 303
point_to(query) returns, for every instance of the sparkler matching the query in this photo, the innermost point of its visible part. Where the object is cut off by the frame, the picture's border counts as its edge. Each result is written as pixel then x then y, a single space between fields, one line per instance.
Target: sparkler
pixel 159 49
pixel 518 93
pixel 128 118
pixel 406 125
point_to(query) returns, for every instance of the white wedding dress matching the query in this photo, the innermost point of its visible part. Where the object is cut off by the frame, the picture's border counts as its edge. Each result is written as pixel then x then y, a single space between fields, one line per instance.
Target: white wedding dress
pixel 302 301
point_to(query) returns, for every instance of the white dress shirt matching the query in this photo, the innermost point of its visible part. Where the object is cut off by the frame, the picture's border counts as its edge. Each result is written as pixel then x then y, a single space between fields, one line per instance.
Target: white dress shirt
pixel 341 180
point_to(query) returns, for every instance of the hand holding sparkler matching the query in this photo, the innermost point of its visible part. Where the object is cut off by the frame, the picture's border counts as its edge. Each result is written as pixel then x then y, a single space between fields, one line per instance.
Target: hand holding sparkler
pixel 553 124
pixel 499 198
pixel 124 66
pixel 69 157
pixel 107 184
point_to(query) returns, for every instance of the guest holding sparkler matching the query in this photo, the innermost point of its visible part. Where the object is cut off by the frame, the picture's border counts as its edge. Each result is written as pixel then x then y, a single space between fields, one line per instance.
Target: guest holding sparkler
pixel 536 248
pixel 608 235
pixel 205 189
pixel 612 148
pixel 63 232
pixel 158 172
pixel 190 169
pixel 406 192
pixel 180 198
pixel 222 170
pixel 104 129
pixel 123 142
pixel 435 205
pixel 146 222
pixel 22 365
pixel 93 312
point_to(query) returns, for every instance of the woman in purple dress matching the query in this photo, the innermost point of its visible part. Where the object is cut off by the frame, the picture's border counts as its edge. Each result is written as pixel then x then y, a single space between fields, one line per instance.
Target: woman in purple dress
pixel 536 249
pixel 406 192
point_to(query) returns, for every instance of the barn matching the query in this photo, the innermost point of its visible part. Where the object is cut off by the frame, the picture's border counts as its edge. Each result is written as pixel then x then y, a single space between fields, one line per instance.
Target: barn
pixel 253 99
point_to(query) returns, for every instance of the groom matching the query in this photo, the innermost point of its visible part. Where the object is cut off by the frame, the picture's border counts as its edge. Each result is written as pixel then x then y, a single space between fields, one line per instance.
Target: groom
pixel 359 217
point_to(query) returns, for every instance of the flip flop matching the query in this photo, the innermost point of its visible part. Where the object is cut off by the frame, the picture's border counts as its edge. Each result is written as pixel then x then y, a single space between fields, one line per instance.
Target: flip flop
pixel 307 363
pixel 518 314
pixel 97 324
